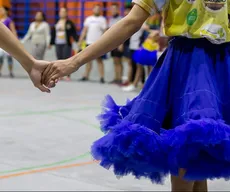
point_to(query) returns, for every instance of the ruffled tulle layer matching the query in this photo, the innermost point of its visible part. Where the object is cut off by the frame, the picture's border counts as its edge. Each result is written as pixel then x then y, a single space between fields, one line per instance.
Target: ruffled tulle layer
pixel 202 147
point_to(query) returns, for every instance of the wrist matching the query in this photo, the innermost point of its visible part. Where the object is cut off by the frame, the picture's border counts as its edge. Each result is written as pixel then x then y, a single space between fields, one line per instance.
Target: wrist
pixel 28 63
pixel 75 62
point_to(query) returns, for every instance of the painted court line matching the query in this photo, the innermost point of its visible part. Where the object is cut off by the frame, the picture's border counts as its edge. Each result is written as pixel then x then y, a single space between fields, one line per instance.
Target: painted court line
pixel 78 120
pixel 47 169
pixel 25 113
pixel 46 165
pixel 59 162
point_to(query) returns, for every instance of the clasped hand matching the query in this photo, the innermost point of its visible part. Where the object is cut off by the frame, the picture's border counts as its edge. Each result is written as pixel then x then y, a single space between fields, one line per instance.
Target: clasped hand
pixel 45 75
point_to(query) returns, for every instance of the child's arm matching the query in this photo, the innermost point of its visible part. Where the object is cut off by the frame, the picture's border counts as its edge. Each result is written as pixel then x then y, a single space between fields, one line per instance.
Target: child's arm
pixel 110 40
pixel 114 37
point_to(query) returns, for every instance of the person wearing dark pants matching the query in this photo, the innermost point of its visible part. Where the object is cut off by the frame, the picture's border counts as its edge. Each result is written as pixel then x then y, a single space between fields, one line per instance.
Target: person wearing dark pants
pixel 134 44
pixel 63 35
pixel 63 51
pixel 116 53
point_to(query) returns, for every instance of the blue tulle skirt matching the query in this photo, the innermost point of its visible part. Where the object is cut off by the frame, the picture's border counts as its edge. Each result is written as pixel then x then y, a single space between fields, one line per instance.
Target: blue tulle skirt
pixel 145 57
pixel 179 120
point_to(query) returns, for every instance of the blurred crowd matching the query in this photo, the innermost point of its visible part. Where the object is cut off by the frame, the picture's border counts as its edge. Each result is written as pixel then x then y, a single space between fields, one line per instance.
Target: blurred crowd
pixel 139 53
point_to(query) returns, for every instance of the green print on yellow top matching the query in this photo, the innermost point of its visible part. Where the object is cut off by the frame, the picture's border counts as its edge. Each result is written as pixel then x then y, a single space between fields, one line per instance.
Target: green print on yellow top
pixel 193 18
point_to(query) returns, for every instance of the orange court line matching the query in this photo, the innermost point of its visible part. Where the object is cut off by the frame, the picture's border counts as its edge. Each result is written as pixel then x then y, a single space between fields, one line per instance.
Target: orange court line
pixel 46 169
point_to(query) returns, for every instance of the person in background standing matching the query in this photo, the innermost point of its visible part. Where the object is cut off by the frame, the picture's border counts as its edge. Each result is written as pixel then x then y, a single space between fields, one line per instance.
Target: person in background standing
pixel 39 33
pixel 127 52
pixel 152 24
pixel 116 54
pixel 134 45
pixel 7 21
pixel 94 27
pixel 62 36
pixel 146 56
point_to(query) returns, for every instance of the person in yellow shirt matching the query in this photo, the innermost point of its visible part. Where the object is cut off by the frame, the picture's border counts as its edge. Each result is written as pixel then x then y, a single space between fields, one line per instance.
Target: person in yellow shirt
pixel 180 123
pixel 147 54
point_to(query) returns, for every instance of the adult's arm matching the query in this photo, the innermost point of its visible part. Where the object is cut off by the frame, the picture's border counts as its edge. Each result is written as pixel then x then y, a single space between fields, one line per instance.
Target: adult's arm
pixel 12 45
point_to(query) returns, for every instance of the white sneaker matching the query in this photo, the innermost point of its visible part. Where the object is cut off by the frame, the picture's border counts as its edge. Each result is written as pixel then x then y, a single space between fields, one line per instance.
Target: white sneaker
pixel 129 88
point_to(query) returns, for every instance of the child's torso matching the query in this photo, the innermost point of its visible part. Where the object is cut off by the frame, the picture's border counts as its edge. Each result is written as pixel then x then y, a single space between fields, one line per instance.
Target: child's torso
pixel 197 19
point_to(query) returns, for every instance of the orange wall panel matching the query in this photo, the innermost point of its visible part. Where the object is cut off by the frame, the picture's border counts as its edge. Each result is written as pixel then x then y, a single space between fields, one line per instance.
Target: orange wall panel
pixel 5 3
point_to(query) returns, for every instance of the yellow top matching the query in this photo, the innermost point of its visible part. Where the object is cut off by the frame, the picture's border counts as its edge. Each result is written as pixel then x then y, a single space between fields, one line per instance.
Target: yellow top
pixel 150 45
pixel 193 18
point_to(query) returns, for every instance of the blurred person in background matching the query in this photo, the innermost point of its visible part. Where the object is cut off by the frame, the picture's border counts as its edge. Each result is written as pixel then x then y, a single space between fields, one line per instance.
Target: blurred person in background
pixel 127 52
pixel 117 53
pixel 152 46
pixel 94 26
pixel 39 34
pixel 134 44
pixel 153 25
pixel 63 35
pixel 146 55
pixel 7 21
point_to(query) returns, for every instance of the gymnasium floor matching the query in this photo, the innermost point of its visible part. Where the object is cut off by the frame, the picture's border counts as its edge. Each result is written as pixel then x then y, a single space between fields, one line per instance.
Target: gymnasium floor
pixel 45 138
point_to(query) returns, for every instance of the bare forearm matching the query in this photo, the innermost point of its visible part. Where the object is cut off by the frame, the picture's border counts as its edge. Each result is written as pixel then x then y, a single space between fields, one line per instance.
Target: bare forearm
pixel 11 44
pixel 112 38
pixel 109 41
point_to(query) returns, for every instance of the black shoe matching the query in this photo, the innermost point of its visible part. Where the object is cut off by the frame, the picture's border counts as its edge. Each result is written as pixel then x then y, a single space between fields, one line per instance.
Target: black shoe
pixel 84 79
pixel 102 80
pixel 11 75
pixel 119 82
pixel 113 82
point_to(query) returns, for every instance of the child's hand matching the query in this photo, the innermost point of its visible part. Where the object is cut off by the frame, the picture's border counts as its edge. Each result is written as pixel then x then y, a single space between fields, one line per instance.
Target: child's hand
pixel 56 70
pixel 35 74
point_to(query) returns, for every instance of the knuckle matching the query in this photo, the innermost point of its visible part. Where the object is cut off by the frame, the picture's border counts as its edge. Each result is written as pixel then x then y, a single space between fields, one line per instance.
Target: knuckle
pixel 55 66
pixel 58 70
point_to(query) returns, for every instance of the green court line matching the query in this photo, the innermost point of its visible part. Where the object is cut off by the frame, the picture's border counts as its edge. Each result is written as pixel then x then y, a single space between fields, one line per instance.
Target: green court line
pixel 78 120
pixel 47 165
pixel 25 113
pixel 59 162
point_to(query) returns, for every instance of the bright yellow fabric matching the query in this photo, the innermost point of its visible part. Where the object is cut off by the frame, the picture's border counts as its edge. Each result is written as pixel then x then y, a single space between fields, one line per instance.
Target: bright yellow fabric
pixel 83 45
pixel 193 18
pixel 150 45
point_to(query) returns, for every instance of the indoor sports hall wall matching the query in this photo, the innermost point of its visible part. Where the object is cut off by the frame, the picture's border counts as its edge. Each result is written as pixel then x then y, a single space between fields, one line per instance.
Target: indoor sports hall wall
pixel 23 11
pixel 5 3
